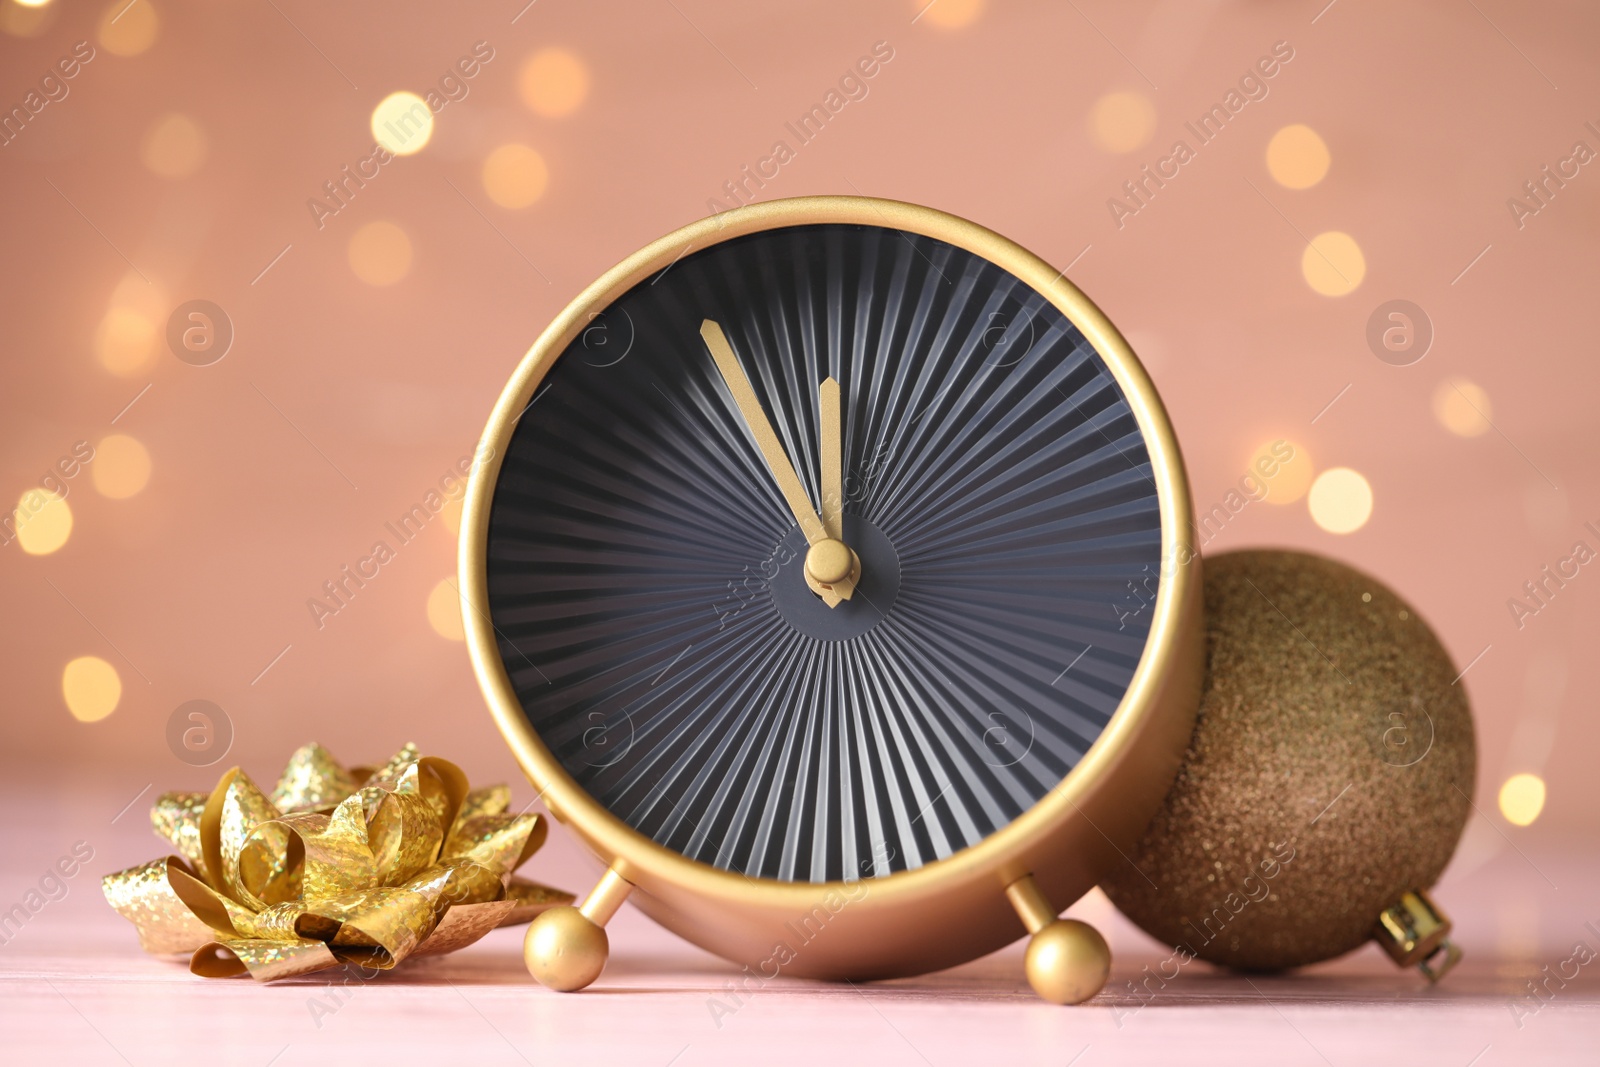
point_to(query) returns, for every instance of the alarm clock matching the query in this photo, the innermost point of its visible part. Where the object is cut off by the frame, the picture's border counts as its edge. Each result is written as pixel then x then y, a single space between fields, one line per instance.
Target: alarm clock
pixel 830 578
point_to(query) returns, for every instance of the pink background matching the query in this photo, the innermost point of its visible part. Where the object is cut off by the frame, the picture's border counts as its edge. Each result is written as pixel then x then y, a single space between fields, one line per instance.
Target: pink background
pixel 1434 115
pixel 1431 118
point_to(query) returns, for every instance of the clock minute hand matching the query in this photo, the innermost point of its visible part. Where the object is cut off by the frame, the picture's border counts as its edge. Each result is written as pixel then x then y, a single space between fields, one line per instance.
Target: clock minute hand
pixel 783 472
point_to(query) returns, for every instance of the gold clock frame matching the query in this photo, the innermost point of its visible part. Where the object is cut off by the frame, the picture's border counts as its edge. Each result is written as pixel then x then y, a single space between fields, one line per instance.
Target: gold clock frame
pixel 943 913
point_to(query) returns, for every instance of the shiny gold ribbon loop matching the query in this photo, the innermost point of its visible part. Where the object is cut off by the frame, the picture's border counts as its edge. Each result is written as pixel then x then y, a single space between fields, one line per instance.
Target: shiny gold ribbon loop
pixel 488 800
pixel 219 913
pixel 462 883
pixel 500 842
pixel 445 786
pixel 405 834
pixel 256 876
pixel 264 960
pixel 410 862
pixel 338 857
pixel 388 776
pixel 145 896
pixel 176 817
pixel 277 923
pixel 392 920
pixel 312 781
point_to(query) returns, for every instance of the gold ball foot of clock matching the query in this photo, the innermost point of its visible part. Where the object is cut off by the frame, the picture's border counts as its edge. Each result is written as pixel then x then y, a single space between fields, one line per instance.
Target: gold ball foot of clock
pixel 1068 961
pixel 566 947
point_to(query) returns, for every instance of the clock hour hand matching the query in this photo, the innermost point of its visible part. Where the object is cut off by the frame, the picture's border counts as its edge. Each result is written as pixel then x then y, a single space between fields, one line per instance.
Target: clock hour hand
pixel 832 459
pixel 832 562
pixel 833 576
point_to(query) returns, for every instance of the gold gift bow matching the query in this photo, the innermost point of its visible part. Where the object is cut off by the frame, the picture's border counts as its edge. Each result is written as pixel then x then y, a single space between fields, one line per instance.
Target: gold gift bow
pixel 408 862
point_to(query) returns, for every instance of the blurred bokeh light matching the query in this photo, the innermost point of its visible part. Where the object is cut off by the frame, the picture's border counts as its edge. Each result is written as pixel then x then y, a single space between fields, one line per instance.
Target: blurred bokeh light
pixel 1123 121
pixel 402 123
pixel 1522 798
pixel 950 14
pixel 1286 479
pixel 42 520
pixel 1462 407
pixel 1333 264
pixel 1297 158
pixel 129 335
pixel 554 82
pixel 444 611
pixel 121 466
pixel 91 688
pixel 515 176
pixel 1340 500
pixel 174 147
pixel 128 27
pixel 380 253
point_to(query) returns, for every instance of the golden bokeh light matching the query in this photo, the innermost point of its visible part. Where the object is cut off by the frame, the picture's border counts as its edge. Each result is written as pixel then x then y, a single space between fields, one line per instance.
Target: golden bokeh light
pixel 444 611
pixel 380 253
pixel 135 291
pixel 174 146
pixel 121 466
pixel 1121 122
pixel 126 340
pixel 949 14
pixel 42 521
pixel 1284 468
pixel 451 514
pixel 91 688
pixel 554 82
pixel 1340 500
pixel 1522 799
pixel 128 28
pixel 1462 407
pixel 32 3
pixel 515 176
pixel 1297 157
pixel 402 123
pixel 26 20
pixel 1333 264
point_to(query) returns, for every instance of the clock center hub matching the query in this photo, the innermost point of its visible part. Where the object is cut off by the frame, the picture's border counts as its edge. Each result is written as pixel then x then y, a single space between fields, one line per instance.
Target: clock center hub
pixel 876 589
pixel 830 561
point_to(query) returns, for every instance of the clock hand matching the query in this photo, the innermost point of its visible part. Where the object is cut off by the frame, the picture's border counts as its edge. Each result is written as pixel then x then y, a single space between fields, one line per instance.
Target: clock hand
pixel 834 561
pixel 832 459
pixel 783 472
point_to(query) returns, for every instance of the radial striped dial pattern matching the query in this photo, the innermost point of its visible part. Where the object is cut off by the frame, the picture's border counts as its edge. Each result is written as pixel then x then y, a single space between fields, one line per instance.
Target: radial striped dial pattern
pixel 646 581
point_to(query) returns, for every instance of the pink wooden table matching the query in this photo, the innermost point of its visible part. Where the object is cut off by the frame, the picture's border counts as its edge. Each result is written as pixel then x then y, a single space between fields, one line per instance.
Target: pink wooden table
pixel 75 988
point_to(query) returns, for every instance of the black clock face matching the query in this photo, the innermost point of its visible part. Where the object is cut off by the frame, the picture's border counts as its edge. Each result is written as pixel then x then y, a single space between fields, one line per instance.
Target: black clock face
pixel 646 578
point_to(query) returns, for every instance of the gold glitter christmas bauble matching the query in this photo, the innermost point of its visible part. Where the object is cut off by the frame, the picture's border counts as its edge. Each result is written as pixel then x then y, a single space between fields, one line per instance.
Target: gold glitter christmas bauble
pixel 1331 770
